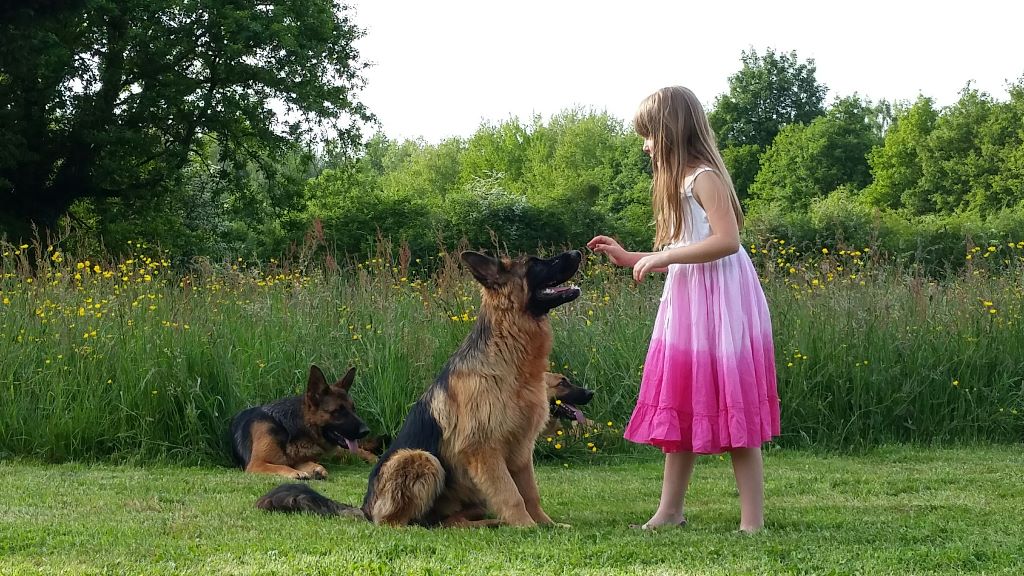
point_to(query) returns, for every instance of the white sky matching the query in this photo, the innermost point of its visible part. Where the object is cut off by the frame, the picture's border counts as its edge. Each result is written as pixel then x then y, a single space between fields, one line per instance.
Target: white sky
pixel 443 66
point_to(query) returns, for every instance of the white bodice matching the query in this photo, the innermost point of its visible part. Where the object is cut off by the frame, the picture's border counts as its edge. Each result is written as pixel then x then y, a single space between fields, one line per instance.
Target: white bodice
pixel 695 220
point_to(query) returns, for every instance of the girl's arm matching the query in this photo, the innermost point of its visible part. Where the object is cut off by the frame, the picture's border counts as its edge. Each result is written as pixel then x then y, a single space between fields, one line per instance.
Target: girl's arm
pixel 714 197
pixel 615 252
pixel 631 258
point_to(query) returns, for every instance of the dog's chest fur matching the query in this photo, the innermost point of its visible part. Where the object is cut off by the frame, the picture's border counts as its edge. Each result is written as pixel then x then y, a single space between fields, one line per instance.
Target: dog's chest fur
pixel 303 449
pixel 498 401
pixel 302 443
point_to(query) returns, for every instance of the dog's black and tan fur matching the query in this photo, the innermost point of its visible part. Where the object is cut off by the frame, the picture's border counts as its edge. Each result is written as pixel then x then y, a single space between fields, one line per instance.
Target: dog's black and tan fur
pixel 287 436
pixel 466 447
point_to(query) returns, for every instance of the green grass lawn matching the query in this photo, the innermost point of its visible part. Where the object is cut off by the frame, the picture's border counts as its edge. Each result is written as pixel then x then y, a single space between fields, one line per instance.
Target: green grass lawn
pixel 892 511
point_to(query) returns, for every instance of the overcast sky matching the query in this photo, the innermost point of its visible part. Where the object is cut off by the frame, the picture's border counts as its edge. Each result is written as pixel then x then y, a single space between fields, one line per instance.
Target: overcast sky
pixel 441 67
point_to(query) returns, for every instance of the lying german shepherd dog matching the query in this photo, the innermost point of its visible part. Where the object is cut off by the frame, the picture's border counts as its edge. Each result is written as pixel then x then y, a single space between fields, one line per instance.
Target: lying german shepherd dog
pixel 466 446
pixel 287 436
pixel 565 399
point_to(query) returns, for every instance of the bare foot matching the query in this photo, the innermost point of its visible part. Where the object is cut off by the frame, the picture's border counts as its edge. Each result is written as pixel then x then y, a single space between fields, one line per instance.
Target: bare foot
pixel 659 520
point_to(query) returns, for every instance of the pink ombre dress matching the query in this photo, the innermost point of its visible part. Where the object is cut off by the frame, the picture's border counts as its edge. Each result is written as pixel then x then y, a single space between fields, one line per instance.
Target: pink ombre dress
pixel 709 378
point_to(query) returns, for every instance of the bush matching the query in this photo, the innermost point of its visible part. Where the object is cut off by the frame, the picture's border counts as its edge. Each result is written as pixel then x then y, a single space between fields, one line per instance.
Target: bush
pixel 935 244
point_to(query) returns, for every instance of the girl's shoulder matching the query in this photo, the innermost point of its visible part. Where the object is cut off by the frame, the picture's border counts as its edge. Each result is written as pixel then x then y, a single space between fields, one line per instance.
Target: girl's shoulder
pixel 692 176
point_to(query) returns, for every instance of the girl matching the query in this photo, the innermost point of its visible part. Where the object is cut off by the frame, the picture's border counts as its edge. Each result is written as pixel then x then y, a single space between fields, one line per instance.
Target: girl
pixel 709 379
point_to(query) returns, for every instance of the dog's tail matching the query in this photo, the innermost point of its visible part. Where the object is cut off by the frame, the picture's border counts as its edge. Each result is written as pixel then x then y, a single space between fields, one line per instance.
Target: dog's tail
pixel 302 498
pixel 406 487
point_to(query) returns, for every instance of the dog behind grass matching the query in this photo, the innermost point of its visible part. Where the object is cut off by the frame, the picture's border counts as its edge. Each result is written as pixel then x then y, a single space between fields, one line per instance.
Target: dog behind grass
pixel 287 436
pixel 466 447
pixel 564 399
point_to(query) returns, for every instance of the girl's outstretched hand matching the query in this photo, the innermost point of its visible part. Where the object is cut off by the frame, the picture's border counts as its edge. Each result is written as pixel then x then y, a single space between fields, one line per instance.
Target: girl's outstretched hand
pixel 656 262
pixel 609 247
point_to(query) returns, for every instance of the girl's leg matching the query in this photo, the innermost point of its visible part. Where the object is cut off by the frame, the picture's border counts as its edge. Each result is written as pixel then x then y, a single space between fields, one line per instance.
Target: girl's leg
pixel 678 468
pixel 749 470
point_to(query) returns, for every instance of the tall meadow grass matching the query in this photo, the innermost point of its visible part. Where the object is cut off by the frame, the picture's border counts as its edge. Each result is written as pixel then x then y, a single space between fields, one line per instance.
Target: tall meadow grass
pixel 131 359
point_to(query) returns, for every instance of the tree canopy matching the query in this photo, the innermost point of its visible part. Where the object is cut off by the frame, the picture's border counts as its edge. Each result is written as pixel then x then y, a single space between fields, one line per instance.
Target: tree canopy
pixel 770 92
pixel 806 161
pixel 189 123
pixel 111 99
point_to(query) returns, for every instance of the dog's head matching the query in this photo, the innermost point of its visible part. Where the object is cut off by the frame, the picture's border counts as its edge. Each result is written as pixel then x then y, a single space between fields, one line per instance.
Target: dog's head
pixel 531 284
pixel 330 409
pixel 565 397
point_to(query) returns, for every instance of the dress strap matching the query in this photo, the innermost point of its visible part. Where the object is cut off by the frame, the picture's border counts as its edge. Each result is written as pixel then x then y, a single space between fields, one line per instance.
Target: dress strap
pixel 688 183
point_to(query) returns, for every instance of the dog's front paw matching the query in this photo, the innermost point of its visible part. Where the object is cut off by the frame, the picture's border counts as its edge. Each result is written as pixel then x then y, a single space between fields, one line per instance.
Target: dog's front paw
pixel 313 470
pixel 368 457
pixel 540 517
pixel 298 475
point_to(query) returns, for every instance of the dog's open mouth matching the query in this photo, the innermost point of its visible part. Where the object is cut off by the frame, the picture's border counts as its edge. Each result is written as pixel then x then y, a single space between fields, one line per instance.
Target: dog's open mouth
pixel 566 292
pixel 546 279
pixel 341 440
pixel 566 411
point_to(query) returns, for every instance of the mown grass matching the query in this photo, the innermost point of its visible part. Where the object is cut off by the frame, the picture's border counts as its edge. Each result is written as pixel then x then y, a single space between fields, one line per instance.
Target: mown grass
pixel 129 359
pixel 888 511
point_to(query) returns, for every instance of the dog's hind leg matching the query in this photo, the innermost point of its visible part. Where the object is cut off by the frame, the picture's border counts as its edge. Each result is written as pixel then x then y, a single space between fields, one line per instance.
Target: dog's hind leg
pixel 459 521
pixel 367 456
pixel 407 486
pixel 361 453
pixel 492 478
pixel 472 517
pixel 267 456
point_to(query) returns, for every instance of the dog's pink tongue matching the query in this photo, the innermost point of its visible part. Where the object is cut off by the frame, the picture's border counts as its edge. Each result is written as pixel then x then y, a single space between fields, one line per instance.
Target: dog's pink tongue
pixel 578 414
pixel 352 445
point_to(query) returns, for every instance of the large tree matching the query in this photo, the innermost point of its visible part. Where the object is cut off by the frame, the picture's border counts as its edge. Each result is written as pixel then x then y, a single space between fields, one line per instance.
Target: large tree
pixel 110 98
pixel 767 94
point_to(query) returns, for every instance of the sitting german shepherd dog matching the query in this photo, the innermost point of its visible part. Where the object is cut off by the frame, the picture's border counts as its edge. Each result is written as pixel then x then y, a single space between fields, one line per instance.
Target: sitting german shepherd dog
pixel 286 436
pixel 466 446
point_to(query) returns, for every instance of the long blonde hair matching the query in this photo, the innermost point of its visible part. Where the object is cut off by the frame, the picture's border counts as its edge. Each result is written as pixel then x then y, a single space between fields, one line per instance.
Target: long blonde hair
pixel 675 120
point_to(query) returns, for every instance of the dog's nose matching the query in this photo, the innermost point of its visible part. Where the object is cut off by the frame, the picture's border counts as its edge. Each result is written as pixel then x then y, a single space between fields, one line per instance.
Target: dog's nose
pixel 588 395
pixel 363 431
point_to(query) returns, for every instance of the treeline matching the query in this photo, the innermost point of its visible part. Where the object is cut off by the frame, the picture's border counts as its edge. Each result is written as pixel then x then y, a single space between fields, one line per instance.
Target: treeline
pixel 215 174
pixel 920 182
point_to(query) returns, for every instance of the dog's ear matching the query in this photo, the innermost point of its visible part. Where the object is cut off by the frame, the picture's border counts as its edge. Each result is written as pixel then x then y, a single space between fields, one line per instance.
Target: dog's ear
pixel 551 379
pixel 485 269
pixel 317 385
pixel 346 382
